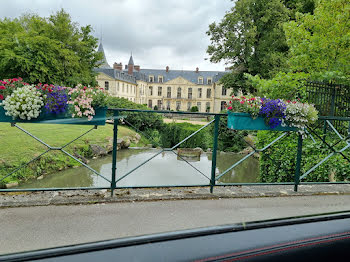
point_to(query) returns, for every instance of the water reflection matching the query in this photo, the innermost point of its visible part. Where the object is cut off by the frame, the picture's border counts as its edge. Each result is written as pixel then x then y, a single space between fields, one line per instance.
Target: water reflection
pixel 164 169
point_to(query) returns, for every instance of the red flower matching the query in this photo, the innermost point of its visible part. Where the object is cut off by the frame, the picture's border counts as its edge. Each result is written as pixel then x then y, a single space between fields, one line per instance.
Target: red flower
pixel 1 97
pixel 230 102
pixel 2 87
pixel 229 108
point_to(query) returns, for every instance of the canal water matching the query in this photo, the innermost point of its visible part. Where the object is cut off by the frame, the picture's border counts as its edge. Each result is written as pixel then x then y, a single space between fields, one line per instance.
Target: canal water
pixel 165 169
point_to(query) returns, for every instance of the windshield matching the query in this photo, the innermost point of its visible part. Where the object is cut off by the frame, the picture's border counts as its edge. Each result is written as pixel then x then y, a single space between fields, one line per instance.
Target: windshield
pixel 126 118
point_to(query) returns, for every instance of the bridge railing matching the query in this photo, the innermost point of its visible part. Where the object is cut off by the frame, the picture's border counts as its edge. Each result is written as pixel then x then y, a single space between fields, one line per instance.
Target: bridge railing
pixel 214 177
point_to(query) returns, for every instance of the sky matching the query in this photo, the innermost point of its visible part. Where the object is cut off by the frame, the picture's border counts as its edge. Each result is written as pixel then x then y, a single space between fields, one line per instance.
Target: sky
pixel 159 33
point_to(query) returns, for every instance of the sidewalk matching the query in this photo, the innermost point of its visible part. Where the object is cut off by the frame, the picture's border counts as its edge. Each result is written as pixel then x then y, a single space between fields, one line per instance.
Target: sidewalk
pixel 19 199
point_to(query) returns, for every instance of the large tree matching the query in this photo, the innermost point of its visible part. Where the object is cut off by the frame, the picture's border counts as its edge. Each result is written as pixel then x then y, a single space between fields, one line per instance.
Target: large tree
pixel 48 50
pixel 250 38
pixel 320 42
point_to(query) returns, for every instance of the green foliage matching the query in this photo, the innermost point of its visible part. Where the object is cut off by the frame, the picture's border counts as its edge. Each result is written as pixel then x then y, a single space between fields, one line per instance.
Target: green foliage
pixel 194 109
pixel 287 86
pixel 48 50
pixel 155 107
pixel 142 121
pixel 229 140
pixel 174 133
pixel 277 164
pixel 301 6
pixel 120 102
pixel 251 38
pixel 319 42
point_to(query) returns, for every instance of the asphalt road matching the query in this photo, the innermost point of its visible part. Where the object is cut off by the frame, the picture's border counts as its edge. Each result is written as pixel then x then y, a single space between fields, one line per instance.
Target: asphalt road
pixel 30 228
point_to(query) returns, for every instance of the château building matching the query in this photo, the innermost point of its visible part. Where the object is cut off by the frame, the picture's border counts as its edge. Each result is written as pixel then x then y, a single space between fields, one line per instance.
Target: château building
pixel 168 89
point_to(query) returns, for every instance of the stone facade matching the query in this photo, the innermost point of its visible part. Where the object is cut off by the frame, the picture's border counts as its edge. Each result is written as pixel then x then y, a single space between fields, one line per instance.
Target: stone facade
pixel 177 90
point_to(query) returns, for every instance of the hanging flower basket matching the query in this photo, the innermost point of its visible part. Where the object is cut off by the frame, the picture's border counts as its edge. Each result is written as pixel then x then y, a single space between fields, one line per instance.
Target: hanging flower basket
pixel 256 113
pixel 49 104
pixel 244 121
pixel 99 118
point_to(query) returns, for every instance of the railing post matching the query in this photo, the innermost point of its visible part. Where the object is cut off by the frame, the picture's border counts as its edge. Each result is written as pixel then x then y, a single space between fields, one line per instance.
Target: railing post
pixel 215 147
pixel 114 157
pixel 324 130
pixel 298 164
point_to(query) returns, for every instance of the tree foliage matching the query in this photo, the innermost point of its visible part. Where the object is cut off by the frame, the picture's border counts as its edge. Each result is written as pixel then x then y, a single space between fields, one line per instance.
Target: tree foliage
pixel 250 37
pixel 48 50
pixel 319 50
pixel 320 42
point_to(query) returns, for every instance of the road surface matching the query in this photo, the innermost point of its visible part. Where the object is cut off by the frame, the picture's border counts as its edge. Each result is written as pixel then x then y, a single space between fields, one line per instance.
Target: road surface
pixel 29 228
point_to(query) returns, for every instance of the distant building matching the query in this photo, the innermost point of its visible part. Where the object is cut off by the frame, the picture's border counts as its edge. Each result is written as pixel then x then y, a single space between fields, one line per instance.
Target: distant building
pixel 177 90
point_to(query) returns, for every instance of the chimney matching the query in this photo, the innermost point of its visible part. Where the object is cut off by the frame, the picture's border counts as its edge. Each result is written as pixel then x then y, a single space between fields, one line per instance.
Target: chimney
pixel 167 69
pixel 130 69
pixel 197 69
pixel 118 66
pixel 137 68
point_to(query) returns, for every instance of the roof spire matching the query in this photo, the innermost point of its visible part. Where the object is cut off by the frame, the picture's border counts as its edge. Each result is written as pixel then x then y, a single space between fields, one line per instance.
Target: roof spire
pixel 131 60
pixel 103 61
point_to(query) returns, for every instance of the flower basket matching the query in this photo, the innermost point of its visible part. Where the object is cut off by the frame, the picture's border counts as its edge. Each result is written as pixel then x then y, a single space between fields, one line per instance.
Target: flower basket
pixel 64 118
pixel 243 121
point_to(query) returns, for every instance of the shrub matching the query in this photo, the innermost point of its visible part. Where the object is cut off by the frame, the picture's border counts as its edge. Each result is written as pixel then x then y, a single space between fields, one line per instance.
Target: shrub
pixel 194 109
pixel 277 164
pixel 173 133
pixel 142 121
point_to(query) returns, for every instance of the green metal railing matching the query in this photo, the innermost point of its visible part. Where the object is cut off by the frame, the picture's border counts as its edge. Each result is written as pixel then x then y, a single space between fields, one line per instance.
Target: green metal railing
pixel 213 180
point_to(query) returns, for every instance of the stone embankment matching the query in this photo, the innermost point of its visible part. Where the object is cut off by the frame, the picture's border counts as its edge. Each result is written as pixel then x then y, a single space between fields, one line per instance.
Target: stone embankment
pixel 40 198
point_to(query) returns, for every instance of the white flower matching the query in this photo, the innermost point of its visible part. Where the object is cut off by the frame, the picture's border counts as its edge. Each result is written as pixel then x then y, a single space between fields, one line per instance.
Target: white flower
pixel 23 103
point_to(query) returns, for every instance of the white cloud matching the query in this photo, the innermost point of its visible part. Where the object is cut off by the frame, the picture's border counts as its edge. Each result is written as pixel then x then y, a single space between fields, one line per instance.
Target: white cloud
pixel 158 32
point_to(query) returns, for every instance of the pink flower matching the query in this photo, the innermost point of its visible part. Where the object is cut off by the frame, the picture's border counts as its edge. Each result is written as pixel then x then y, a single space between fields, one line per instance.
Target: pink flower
pixel 229 108
pixel 2 87
pixel 1 97
pixel 242 102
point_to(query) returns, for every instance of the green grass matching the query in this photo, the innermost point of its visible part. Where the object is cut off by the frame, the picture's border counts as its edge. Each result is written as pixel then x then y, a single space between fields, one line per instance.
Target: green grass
pixel 16 146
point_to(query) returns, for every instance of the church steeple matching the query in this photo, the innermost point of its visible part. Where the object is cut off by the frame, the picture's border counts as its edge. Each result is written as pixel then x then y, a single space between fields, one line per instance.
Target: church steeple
pixel 103 61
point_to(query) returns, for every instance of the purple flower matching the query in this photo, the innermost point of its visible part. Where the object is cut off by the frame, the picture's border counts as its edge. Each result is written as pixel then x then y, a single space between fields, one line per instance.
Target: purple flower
pixel 273 111
pixel 56 101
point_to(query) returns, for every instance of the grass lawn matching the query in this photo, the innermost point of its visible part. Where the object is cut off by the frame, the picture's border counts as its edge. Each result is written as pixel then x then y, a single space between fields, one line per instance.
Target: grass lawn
pixel 16 146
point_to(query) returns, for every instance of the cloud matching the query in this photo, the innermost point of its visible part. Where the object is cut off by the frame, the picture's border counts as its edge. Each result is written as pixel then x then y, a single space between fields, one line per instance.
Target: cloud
pixel 158 32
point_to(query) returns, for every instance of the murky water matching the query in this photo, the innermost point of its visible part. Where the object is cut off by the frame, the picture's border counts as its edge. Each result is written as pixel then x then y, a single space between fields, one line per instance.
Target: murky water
pixel 164 169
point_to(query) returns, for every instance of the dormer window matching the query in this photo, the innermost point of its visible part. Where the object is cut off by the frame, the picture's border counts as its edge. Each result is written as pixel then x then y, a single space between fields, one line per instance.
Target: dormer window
pixel 209 81
pixel 200 80
pixel 160 79
pixel 151 79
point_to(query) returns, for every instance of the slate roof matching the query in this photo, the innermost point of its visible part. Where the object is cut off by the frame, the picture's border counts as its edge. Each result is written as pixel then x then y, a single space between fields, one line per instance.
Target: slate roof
pixel 117 74
pixel 104 63
pixel 131 61
pixel 189 75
